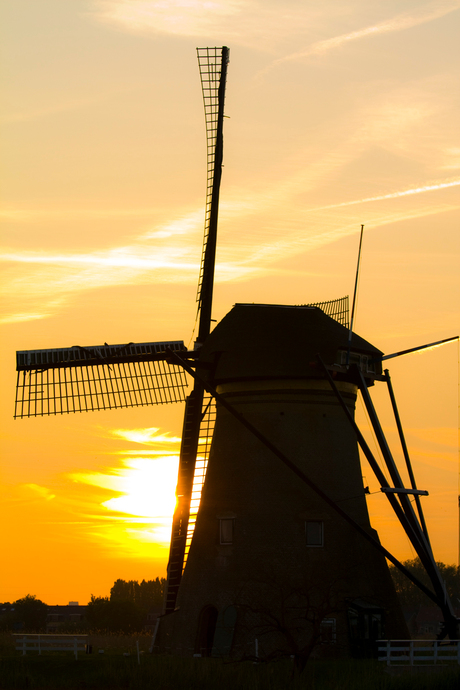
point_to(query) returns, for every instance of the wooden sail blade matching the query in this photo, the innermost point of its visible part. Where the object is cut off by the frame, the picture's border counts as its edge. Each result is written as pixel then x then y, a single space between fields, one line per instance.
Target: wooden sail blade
pixel 208 420
pixel 212 63
pixel 95 354
pixel 195 448
pixel 83 379
pixel 213 72
pixel 187 461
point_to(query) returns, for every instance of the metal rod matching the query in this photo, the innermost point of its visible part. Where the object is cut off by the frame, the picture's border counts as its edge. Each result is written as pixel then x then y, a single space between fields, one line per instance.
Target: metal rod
pixel 413 535
pixel 386 453
pixel 406 454
pixel 416 349
pixel 350 334
pixel 409 492
pixel 421 545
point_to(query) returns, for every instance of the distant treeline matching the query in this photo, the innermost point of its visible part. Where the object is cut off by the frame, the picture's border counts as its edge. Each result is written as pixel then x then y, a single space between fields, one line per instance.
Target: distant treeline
pixel 127 610
pixel 411 596
pixel 145 594
pixel 128 607
pixel 27 613
pixel 133 605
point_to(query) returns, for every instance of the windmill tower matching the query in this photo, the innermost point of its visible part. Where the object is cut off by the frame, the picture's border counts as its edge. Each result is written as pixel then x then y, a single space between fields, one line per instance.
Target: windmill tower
pixel 280 548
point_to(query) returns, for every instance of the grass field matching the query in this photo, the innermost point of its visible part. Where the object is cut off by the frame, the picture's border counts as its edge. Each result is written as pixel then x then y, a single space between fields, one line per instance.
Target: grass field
pixel 115 671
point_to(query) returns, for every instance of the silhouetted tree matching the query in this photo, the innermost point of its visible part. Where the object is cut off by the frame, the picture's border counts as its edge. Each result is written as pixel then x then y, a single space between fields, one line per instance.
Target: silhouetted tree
pixel 410 595
pixel 6 616
pixel 114 616
pixel 31 612
pixel 293 616
pixel 127 607
pixel 144 595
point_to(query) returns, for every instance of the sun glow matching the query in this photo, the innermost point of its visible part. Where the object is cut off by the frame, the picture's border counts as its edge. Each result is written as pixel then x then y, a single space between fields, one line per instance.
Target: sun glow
pixel 146 436
pixel 148 488
pixel 145 502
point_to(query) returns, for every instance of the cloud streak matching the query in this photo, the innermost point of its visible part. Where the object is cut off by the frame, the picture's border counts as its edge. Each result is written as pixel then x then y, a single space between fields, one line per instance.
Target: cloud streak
pixel 175 17
pixel 393 195
pixel 145 436
pixel 155 258
pixel 141 257
pixel 399 23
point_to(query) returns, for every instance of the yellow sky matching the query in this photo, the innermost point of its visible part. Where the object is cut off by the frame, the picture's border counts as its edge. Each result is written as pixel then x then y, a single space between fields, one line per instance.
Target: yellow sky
pixel 340 113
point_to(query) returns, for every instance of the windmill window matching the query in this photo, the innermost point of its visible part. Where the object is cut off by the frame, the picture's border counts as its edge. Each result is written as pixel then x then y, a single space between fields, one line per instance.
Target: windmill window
pixel 328 631
pixel 226 529
pixel 314 532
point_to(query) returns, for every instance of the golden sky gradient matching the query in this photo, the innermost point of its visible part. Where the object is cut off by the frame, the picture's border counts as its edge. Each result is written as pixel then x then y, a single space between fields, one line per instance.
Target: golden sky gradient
pixel 339 113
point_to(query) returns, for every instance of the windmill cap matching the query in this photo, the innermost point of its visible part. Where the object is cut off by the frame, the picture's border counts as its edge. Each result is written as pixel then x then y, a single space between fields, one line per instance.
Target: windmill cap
pixel 267 340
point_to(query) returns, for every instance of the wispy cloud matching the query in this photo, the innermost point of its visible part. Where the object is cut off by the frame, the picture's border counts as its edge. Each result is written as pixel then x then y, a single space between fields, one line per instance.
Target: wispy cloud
pixel 176 17
pixel 41 491
pixel 392 195
pixel 64 104
pixel 148 436
pixel 257 24
pixel 33 214
pixel 260 223
pixel 328 230
pixel 401 22
pixel 52 278
pixel 444 436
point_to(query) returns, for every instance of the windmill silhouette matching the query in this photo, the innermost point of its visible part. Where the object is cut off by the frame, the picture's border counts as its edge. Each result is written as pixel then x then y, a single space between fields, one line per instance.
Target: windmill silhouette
pixel 273 495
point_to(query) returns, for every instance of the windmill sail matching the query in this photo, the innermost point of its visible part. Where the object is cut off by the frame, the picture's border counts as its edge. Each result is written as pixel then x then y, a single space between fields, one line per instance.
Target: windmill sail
pixel 197 430
pixel 82 379
pixel 213 71
pixel 337 309
pixel 204 447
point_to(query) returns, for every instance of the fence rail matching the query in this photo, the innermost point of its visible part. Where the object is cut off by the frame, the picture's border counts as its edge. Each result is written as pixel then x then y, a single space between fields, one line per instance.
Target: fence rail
pixel 419 652
pixel 51 643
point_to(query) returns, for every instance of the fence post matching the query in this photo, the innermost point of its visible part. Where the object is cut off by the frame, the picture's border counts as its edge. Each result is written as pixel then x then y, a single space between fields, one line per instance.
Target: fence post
pixel 435 657
pixel 411 653
pixel 24 647
pixel 388 652
pixel 39 647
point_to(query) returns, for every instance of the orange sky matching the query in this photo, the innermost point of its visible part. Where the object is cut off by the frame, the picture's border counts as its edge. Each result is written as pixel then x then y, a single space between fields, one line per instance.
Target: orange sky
pixel 339 114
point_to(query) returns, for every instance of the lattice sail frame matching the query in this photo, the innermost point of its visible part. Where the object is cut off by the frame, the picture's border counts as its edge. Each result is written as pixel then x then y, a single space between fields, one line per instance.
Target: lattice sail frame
pixel 204 448
pixel 86 379
pixel 337 309
pixel 210 66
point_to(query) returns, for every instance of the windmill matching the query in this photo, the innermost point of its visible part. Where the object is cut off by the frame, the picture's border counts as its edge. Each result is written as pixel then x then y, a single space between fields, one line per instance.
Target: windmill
pixel 272 497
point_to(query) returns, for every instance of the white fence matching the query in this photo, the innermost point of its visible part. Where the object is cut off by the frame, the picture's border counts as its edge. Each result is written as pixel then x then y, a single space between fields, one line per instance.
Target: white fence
pixel 419 652
pixel 51 643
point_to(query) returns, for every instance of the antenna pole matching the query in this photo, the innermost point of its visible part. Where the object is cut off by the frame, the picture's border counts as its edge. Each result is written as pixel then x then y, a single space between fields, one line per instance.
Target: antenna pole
pixel 354 295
